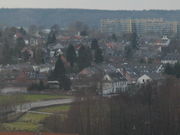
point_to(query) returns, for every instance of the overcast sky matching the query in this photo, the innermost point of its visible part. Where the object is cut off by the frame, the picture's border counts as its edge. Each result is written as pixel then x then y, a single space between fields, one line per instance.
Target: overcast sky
pixel 93 4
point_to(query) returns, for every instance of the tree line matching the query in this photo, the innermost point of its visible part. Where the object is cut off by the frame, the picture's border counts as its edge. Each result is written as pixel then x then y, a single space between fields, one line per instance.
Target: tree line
pixel 173 70
pixel 150 110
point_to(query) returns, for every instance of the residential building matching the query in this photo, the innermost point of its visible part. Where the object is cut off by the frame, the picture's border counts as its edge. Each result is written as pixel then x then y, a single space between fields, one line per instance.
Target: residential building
pixel 141 73
pixel 141 26
pixel 178 30
pixel 170 59
pixel 116 26
pixel 113 83
pixel 144 79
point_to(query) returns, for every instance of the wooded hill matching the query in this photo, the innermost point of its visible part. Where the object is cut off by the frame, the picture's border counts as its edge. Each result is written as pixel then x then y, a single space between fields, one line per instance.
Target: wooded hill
pixel 64 17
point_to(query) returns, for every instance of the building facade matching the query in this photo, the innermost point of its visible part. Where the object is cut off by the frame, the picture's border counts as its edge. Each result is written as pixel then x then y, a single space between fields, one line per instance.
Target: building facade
pixel 113 83
pixel 140 26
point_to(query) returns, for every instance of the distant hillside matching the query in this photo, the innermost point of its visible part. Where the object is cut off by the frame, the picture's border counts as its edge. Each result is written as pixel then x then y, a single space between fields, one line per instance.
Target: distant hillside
pixel 63 17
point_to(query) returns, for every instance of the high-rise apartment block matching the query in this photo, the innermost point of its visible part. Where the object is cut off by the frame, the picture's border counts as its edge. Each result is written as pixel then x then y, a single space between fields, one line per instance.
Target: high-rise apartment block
pixel 140 26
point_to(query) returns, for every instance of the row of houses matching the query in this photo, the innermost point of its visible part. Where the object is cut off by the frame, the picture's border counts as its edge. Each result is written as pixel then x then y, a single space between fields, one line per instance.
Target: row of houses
pixel 109 79
pixel 24 74
pixel 113 83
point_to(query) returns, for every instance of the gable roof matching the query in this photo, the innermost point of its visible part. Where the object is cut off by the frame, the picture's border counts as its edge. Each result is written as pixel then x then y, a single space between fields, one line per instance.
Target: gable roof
pixel 145 76
pixel 58 46
pixel 116 76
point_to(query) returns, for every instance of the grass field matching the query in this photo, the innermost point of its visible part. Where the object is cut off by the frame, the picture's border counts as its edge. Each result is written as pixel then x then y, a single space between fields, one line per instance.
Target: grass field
pixel 21 126
pixel 32 121
pixel 22 98
pixel 11 99
pixel 55 109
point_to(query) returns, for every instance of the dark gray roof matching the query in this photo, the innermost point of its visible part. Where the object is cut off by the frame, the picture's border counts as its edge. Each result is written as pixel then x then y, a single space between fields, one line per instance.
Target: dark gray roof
pixel 117 76
pixel 171 56
pixel 137 70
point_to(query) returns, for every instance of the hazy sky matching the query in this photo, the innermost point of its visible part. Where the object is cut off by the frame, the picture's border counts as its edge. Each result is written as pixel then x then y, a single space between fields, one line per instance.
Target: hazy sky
pixel 93 4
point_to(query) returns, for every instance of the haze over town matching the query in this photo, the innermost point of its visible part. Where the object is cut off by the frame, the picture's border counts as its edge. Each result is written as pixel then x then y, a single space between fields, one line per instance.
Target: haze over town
pixel 89 67
pixel 93 4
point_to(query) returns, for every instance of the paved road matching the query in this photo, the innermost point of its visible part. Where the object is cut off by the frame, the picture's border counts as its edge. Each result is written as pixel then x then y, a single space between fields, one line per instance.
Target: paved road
pixel 28 106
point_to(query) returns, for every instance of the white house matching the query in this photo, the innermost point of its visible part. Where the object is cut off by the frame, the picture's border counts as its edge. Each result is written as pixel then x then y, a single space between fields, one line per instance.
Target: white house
pixel 113 83
pixel 144 79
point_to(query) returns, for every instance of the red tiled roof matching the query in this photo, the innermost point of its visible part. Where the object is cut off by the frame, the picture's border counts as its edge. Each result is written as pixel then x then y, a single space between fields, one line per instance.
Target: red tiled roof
pixel 30 133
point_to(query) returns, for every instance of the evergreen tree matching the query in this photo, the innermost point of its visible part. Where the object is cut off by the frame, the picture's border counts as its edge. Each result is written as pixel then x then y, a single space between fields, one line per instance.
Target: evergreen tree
pixel 98 55
pixel 168 69
pixel 173 70
pixel 51 38
pixel 89 56
pixel 177 70
pixel 128 52
pixel 84 58
pixel 60 75
pixel 71 55
pixel 59 71
pixel 94 44
pixel 66 84
pixel 134 40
